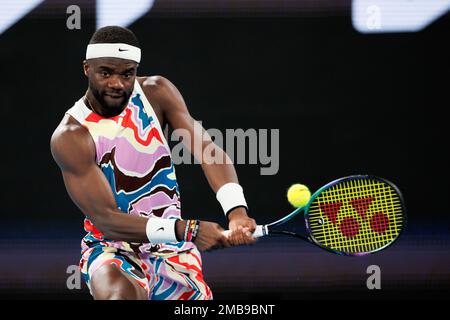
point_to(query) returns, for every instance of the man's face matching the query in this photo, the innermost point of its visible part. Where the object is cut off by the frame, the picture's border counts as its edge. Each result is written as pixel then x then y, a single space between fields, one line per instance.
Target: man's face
pixel 111 81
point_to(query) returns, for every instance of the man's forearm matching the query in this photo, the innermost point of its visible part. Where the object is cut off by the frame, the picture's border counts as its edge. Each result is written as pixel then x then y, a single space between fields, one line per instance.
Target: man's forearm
pixel 222 175
pixel 220 170
pixel 117 226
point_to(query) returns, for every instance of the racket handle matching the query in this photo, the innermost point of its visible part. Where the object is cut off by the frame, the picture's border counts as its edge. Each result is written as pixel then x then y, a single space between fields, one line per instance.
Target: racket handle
pixel 260 231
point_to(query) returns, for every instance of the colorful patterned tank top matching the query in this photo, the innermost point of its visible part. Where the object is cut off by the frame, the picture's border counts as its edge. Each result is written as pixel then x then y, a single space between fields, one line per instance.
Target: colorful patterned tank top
pixel 134 156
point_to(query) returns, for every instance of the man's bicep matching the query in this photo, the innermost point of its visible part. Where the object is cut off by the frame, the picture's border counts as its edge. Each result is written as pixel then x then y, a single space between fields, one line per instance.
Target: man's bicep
pixel 164 94
pixel 74 151
pixel 90 191
pixel 194 135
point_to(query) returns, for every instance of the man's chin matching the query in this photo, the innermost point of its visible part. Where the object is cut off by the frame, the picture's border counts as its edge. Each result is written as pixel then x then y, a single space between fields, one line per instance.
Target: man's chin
pixel 114 101
pixel 114 105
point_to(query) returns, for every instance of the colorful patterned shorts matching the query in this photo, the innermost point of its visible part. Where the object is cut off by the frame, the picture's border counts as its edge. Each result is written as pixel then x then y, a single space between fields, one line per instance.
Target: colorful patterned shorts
pixel 174 276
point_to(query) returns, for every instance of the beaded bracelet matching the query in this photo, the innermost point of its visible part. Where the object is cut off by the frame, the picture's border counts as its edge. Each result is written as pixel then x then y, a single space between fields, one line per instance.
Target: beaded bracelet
pixel 191 230
pixel 195 231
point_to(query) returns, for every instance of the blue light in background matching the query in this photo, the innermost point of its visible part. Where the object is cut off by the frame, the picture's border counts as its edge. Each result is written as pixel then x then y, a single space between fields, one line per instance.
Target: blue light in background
pixel 12 11
pixel 379 16
pixel 121 13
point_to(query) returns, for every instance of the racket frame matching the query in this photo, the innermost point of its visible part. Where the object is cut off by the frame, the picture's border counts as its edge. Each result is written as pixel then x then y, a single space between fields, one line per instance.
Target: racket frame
pixel 266 229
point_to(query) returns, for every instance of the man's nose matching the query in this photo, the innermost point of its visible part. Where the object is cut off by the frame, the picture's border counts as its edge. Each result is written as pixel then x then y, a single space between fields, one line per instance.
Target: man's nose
pixel 115 82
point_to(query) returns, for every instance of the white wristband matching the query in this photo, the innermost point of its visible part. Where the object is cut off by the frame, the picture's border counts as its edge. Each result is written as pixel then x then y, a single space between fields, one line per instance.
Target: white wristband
pixel 161 230
pixel 230 196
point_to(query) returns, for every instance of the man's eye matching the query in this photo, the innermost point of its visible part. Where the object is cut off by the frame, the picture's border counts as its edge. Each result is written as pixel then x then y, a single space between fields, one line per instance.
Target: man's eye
pixel 127 75
pixel 105 74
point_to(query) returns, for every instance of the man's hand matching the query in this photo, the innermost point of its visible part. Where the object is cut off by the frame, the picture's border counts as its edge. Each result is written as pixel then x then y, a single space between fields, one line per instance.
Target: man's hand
pixel 242 227
pixel 209 235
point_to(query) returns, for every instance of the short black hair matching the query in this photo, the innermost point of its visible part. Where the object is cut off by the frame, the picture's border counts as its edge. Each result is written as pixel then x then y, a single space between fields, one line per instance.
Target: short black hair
pixel 114 34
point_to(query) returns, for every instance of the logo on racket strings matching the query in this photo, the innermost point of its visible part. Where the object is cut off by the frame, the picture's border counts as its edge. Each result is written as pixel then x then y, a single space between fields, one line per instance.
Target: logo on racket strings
pixel 349 225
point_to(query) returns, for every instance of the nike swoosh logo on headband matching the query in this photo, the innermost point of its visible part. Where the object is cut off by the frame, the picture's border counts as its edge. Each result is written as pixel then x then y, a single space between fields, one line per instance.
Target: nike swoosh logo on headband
pixel 123 49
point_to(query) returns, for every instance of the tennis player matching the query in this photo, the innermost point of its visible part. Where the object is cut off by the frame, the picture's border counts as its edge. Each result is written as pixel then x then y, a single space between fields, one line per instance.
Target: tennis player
pixel 117 168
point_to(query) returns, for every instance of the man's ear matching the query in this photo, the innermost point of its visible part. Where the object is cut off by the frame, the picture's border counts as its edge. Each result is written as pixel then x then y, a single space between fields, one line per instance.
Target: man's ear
pixel 86 68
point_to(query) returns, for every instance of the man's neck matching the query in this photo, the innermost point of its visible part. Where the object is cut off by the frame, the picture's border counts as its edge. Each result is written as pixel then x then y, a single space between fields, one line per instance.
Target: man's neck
pixel 91 102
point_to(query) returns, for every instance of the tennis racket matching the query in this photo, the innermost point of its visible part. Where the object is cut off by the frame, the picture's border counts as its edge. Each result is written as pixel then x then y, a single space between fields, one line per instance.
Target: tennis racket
pixel 354 215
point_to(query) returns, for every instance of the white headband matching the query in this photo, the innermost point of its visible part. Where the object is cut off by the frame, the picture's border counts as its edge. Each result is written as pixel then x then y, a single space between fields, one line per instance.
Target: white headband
pixel 113 50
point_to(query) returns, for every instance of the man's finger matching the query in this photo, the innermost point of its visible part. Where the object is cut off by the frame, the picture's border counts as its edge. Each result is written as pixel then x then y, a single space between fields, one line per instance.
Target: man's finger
pixel 241 237
pixel 225 241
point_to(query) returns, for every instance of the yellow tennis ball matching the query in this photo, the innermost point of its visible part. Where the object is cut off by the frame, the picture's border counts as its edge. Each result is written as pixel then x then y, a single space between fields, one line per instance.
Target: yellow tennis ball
pixel 298 195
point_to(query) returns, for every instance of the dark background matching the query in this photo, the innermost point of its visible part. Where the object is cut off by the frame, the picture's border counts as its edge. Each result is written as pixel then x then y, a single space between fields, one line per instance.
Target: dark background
pixel 344 103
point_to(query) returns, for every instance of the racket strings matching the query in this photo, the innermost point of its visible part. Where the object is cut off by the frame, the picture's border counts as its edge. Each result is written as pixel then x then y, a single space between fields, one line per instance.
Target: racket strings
pixel 366 239
pixel 361 237
pixel 356 216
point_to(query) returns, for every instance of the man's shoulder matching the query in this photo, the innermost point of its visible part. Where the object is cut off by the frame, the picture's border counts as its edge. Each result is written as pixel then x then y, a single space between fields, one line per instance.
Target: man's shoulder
pixel 69 128
pixel 152 84
pixel 160 91
pixel 69 132
pixel 71 141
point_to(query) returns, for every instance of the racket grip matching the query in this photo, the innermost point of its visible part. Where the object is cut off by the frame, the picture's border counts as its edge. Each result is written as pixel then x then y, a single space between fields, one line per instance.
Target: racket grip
pixel 260 231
